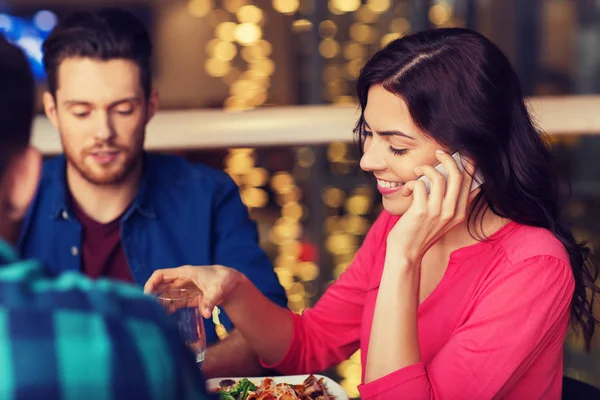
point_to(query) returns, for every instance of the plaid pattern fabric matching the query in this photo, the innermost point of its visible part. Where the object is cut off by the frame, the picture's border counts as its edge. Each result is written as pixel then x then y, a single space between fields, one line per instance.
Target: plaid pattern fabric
pixel 68 337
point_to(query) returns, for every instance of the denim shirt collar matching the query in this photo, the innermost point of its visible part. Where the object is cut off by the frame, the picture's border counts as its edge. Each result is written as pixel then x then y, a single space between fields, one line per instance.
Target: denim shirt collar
pixel 143 203
pixel 144 200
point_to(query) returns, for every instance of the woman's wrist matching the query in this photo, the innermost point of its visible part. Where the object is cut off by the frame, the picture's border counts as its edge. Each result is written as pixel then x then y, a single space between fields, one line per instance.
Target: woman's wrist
pixel 402 259
pixel 238 286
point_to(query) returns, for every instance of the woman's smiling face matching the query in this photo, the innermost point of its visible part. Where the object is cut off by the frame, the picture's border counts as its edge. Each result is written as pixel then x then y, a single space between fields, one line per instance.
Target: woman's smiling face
pixel 393 147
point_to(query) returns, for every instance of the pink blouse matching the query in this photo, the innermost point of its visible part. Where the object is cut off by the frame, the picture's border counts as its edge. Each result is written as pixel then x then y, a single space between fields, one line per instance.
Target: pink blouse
pixel 493 328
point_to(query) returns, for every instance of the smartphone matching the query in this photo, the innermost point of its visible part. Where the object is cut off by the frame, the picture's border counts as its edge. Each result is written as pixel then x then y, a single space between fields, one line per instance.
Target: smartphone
pixel 477 178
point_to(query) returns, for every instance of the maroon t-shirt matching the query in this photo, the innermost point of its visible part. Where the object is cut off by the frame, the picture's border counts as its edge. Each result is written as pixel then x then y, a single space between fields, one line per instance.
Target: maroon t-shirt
pixel 102 252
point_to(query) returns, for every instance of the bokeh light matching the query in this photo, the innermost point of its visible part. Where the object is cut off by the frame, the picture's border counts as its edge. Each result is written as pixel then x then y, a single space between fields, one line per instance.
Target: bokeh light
pixel 345 6
pixel 250 14
pixel 247 33
pixel 286 6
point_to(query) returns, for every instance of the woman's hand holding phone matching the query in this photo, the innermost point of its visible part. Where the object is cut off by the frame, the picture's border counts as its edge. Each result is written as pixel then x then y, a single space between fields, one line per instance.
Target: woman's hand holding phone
pixel 435 211
pixel 461 162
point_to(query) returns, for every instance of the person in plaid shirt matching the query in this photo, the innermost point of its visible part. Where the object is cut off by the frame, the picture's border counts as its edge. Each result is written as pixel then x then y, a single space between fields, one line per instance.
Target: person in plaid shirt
pixel 66 336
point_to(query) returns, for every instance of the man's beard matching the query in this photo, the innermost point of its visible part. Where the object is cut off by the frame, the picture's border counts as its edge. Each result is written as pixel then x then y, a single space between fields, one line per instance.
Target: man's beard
pixel 111 175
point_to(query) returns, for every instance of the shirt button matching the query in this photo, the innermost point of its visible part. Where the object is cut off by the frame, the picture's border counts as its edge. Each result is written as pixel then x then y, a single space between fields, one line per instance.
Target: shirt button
pixel 65 214
pixel 74 250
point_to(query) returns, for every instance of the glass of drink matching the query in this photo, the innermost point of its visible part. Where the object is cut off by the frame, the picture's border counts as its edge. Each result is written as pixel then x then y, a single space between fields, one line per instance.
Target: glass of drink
pixel 183 306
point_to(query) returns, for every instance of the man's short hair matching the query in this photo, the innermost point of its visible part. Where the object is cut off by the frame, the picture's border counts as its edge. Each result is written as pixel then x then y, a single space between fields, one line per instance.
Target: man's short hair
pixel 108 34
pixel 17 102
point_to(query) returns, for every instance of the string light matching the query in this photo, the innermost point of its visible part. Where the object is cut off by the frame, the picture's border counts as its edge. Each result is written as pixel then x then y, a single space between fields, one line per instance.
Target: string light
pixel 329 48
pixel 286 6
pixel 345 6
pixel 249 14
pixel 247 33
pixel 366 14
pixel 249 84
pixel 379 6
pixel 301 25
pixel 440 13
pixel 327 29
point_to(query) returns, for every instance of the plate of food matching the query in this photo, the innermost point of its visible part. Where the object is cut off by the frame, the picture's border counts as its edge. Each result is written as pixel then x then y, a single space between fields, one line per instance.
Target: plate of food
pixel 295 387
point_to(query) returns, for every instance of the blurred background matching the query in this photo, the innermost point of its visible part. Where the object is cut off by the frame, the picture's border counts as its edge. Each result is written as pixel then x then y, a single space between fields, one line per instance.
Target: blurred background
pixel 264 90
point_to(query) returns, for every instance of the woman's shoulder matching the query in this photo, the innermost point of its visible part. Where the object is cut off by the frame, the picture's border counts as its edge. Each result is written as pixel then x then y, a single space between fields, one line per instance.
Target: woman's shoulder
pixel 523 242
pixel 532 261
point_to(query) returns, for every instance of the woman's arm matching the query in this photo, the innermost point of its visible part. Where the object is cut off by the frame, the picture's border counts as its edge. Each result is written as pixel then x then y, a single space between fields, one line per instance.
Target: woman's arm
pixel 324 335
pixel 267 327
pixel 394 340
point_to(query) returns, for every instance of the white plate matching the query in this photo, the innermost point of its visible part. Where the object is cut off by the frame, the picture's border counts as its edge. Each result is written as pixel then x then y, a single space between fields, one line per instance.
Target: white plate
pixel 332 387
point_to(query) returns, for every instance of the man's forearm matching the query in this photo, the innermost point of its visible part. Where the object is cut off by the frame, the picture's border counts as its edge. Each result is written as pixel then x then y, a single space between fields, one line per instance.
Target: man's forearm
pixel 231 357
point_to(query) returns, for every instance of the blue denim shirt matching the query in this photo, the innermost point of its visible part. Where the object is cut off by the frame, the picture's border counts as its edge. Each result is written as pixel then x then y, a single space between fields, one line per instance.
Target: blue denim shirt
pixel 183 214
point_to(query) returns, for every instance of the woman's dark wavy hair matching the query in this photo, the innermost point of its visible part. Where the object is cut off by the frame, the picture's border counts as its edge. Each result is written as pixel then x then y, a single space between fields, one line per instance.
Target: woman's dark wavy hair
pixel 462 91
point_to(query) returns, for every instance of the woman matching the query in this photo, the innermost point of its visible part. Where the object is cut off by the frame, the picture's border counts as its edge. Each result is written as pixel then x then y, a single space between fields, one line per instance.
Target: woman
pixel 454 294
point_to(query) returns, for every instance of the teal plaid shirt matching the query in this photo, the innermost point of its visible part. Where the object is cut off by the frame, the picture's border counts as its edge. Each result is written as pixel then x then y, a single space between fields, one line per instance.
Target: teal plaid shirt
pixel 69 337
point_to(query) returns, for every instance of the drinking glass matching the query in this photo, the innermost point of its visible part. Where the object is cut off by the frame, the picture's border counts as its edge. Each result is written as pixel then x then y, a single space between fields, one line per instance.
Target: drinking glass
pixel 183 306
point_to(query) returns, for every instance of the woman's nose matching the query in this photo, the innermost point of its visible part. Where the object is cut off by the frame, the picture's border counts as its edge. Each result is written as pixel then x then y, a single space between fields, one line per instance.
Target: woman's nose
pixel 373 156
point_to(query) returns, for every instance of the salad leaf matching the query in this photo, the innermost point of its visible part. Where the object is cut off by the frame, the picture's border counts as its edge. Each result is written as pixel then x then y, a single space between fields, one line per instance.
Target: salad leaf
pixel 244 394
pixel 250 385
pixel 242 387
pixel 236 389
pixel 225 395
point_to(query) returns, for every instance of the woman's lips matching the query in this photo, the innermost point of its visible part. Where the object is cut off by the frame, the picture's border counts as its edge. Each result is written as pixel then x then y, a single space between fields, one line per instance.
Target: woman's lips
pixel 388 187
